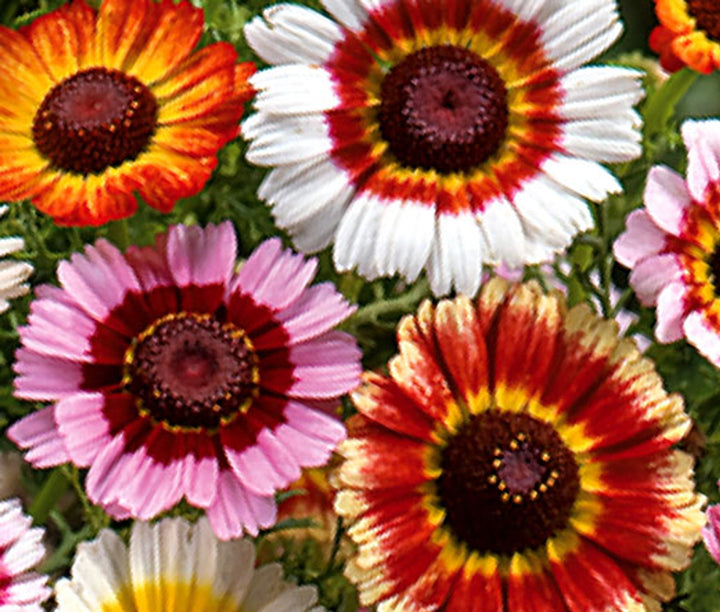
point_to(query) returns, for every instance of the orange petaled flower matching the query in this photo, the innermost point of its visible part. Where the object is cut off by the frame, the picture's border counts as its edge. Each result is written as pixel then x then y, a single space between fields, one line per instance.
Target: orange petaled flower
pixel 97 106
pixel 518 457
pixel 688 34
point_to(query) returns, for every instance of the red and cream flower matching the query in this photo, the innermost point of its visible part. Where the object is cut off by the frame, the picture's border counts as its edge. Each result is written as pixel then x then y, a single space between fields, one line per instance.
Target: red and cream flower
pixel 672 244
pixel 439 135
pixel 94 107
pixel 688 34
pixel 517 457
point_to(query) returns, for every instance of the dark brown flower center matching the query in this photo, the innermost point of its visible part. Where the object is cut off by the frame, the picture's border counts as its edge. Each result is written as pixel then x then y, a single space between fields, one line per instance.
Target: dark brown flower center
pixel 508 482
pixel 192 371
pixel 707 16
pixel 443 108
pixel 714 263
pixel 93 120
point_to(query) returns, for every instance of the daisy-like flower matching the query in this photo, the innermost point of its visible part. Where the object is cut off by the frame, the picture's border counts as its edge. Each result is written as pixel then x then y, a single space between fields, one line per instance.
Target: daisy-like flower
pixel 173 566
pixel 711 531
pixel 672 244
pixel 688 34
pixel 13 274
pixel 94 107
pixel 439 135
pixel 175 376
pixel 517 457
pixel 21 548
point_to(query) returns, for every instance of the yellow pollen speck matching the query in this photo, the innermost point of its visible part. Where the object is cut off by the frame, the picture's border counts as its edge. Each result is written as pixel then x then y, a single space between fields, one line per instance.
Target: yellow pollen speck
pixel 517 498
pixel 554 474
pixel 522 437
pixel 502 486
pixel 542 488
pixel 533 495
pixel 514 445
pixel 48 125
pixel 496 463
pixel 550 482
pixel 545 457
pixel 492 479
pixel 497 452
pixel 505 497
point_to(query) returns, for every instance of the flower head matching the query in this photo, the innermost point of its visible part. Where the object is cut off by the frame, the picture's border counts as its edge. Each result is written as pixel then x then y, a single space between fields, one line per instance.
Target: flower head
pixel 97 106
pixel 672 244
pixel 520 453
pixel 173 565
pixel 426 134
pixel 21 548
pixel 688 34
pixel 174 376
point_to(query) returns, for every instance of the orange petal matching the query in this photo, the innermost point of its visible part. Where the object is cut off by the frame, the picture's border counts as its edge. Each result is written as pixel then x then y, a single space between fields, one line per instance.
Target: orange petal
pixel 122 27
pixel 176 29
pixel 20 167
pixel 21 71
pixel 163 176
pixel 193 141
pixel 55 40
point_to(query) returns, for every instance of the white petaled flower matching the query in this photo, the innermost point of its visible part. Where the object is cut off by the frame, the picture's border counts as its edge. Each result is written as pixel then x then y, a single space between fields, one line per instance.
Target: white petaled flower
pixel 438 135
pixel 21 549
pixel 13 274
pixel 172 566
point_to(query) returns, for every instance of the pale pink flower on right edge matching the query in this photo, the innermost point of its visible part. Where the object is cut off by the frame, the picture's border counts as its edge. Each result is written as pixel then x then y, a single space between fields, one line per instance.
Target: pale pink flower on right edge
pixel 672 244
pixel 711 531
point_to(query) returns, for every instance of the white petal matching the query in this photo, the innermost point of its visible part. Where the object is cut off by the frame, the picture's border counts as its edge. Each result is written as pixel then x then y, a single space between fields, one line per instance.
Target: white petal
pixel 288 33
pixel 526 10
pixel 551 214
pixel 294 89
pixel 357 234
pixel 584 177
pixel 503 233
pixel 580 31
pixel 299 191
pixel 266 585
pixel 11 245
pixel 613 139
pixel 457 257
pixel 278 139
pixel 347 12
pixel 318 230
pixel 404 238
pixel 599 91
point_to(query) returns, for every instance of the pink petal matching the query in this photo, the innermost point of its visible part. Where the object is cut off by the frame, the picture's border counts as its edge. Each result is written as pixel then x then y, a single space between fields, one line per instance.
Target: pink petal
pixel 703 335
pixel 710 531
pixel 45 378
pixel 83 426
pixel 201 256
pixel 317 310
pixel 641 239
pixel 153 486
pixel 325 367
pixel 273 277
pixel 150 264
pixel 99 281
pixel 236 509
pixel 249 463
pixel 39 433
pixel 702 140
pixel 200 477
pixel 666 199
pixel 651 275
pixel 281 459
pixel 314 422
pixel 307 450
pixel 670 313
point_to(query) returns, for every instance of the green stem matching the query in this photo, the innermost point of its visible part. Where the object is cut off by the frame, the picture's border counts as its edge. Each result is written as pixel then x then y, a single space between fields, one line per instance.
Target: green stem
pixel 51 492
pixel 118 234
pixel 661 105
pixel 403 303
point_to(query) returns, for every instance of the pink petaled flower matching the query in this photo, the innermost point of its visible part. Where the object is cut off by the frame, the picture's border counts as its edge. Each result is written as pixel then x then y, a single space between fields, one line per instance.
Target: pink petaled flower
pixel 673 244
pixel 21 548
pixel 711 531
pixel 175 376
